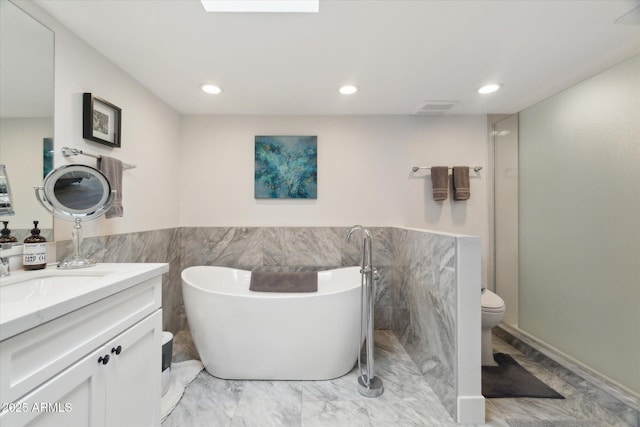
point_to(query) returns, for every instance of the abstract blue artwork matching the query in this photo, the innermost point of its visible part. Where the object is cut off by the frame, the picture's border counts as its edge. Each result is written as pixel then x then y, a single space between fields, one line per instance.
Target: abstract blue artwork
pixel 286 167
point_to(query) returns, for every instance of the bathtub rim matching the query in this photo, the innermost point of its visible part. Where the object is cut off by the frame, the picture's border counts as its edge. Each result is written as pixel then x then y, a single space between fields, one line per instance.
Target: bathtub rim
pixel 243 288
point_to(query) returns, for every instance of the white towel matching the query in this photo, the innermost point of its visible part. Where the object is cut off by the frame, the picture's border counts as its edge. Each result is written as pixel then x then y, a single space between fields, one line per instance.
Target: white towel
pixel 112 169
pixel 182 373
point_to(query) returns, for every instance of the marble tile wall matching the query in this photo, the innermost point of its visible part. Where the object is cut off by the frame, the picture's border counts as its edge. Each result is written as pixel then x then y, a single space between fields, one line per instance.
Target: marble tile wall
pixel 424 306
pixel 249 248
pixel 286 249
pixel 22 233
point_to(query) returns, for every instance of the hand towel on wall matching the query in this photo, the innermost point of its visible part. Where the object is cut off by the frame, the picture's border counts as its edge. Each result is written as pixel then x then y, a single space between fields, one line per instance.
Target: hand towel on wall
pixel 440 182
pixel 461 187
pixel 112 169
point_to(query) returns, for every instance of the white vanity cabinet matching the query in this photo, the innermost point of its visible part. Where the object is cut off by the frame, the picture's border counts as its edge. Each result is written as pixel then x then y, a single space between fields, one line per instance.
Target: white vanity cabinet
pixel 98 365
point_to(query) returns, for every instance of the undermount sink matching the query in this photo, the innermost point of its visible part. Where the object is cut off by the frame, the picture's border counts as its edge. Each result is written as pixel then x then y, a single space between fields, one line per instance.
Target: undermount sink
pixel 31 298
pixel 26 292
pixel 48 285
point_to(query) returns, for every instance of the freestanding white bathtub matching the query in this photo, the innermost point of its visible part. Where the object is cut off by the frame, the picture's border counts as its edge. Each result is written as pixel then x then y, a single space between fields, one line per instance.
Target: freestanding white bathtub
pixel 242 334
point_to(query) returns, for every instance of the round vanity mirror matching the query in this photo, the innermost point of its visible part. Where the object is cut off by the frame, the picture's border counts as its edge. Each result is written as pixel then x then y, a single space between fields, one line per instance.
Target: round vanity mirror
pixel 76 193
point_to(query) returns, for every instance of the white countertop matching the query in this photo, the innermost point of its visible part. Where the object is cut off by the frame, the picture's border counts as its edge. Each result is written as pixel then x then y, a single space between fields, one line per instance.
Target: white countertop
pixel 31 298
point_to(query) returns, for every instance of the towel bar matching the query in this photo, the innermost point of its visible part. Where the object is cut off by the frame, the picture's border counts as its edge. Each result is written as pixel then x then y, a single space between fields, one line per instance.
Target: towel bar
pixel 67 151
pixel 416 168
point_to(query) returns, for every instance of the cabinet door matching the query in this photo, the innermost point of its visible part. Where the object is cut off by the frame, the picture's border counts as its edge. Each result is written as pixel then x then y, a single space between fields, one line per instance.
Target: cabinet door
pixel 133 377
pixel 75 397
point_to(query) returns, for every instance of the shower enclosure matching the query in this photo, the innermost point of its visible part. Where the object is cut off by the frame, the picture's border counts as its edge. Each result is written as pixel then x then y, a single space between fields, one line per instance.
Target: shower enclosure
pixel 505 204
pixel 567 235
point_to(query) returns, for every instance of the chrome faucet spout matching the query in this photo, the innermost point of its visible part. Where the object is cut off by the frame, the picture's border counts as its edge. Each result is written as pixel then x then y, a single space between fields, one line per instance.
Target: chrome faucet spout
pixel 366 261
pixel 361 228
pixel 5 269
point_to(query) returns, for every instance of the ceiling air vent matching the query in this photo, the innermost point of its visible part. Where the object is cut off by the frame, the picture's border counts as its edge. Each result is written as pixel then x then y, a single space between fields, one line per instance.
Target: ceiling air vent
pixel 434 108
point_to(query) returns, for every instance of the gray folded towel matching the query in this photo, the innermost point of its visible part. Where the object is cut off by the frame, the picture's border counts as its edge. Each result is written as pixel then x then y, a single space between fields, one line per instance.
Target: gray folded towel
pixel 263 281
pixel 440 182
pixel 461 187
pixel 112 169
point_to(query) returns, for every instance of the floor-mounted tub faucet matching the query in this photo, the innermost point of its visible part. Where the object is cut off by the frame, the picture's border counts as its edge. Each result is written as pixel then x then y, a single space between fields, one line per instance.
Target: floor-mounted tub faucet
pixel 368 384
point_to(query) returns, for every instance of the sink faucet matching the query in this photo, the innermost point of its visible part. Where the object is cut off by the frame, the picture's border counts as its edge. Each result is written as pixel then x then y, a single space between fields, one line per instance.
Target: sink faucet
pixel 5 269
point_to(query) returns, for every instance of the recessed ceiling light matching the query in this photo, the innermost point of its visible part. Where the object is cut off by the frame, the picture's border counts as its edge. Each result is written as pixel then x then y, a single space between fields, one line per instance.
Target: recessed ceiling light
pixel 210 89
pixel 348 89
pixel 300 6
pixel 490 88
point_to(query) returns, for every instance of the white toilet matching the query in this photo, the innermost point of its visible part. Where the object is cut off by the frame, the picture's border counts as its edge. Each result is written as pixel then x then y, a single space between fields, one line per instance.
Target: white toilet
pixel 492 314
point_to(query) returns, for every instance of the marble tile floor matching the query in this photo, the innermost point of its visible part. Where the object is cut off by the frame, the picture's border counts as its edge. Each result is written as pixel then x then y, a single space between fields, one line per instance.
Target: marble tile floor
pixel 407 401
pixel 576 404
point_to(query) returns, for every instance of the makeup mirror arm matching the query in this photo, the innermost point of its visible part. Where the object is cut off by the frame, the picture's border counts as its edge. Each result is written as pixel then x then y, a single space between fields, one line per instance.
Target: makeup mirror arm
pixel 43 199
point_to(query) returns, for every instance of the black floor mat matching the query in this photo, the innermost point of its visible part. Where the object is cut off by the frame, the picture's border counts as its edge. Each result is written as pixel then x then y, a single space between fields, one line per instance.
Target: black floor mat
pixel 509 379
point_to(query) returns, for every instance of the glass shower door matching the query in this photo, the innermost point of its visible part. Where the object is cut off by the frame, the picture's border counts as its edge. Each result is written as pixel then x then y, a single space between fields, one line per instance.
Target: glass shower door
pixel 505 166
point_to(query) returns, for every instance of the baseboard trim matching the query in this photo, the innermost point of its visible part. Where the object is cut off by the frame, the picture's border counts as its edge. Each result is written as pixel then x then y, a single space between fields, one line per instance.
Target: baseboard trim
pixel 471 410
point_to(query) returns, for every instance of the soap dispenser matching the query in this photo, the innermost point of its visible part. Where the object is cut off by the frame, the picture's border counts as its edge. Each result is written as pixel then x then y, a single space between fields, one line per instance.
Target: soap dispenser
pixel 5 234
pixel 35 250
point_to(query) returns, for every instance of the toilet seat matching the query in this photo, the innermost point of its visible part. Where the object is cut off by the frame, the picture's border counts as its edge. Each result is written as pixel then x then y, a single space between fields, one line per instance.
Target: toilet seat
pixel 491 303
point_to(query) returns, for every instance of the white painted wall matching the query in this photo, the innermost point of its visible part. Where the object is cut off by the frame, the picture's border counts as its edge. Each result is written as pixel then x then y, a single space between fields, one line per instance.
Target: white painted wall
pixel 364 172
pixel 198 170
pixel 579 222
pixel 150 133
pixel 356 164
pixel 450 141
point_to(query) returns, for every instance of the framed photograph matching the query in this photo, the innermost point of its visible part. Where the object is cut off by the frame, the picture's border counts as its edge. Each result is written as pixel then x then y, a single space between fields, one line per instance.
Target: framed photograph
pixel 286 167
pixel 101 121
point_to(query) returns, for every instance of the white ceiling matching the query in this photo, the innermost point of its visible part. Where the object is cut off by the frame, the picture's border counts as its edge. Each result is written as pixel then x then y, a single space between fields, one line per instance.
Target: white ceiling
pixel 399 53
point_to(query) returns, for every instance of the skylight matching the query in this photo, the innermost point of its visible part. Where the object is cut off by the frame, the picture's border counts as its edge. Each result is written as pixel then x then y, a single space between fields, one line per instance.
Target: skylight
pixel 281 6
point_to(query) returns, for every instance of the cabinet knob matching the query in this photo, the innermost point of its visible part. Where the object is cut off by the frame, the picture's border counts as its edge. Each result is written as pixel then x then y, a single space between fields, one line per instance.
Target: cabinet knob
pixel 117 350
pixel 104 359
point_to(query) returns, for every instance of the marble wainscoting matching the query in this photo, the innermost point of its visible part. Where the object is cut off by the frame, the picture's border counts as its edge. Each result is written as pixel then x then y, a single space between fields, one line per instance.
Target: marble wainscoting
pixel 436 314
pixel 424 300
pixel 287 249
pixel 22 233
pixel 249 248
pixel 145 246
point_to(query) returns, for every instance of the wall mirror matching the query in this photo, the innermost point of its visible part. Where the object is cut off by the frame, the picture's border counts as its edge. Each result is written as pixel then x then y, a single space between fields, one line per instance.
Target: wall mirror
pixel 6 204
pixel 26 113
pixel 76 193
